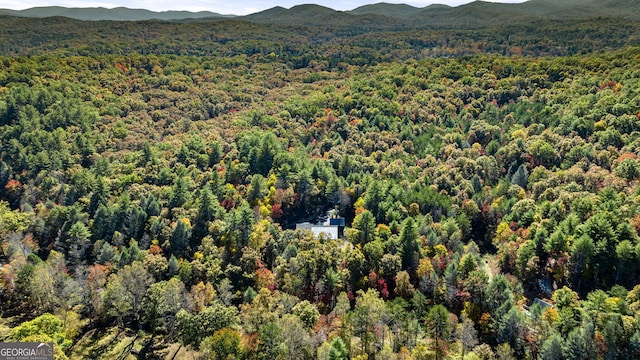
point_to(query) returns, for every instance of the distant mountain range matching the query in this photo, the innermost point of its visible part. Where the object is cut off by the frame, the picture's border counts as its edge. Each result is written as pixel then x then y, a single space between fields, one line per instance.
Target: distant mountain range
pixel 115 14
pixel 474 14
pixel 471 15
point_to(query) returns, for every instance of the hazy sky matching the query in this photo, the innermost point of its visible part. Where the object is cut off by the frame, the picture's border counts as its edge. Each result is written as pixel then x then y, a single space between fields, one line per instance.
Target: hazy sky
pixel 238 7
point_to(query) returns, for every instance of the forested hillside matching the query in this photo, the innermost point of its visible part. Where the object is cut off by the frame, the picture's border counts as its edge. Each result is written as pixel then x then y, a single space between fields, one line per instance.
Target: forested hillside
pixel 100 13
pixel 152 173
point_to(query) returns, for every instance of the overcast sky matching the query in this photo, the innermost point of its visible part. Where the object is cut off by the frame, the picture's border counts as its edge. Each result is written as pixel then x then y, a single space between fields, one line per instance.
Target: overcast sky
pixel 238 7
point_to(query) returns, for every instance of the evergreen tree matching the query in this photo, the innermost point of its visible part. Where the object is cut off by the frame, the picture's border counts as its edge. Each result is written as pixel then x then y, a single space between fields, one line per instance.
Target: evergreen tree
pixel 207 211
pixel 439 327
pixel 552 348
pixel 270 342
pixel 215 153
pixel 180 238
pixel 338 350
pixel 511 330
pixel 100 196
pixel 366 226
pixel 78 243
pixel 179 193
pixel 409 246
pixel 580 343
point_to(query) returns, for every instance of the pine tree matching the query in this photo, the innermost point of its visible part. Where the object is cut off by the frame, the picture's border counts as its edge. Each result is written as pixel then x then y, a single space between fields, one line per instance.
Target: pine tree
pixel 179 193
pixel 439 327
pixel 207 211
pixel 409 247
pixel 180 238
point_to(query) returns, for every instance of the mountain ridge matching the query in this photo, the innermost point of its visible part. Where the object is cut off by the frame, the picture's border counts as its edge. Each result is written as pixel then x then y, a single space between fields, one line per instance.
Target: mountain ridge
pixel 110 14
pixel 473 14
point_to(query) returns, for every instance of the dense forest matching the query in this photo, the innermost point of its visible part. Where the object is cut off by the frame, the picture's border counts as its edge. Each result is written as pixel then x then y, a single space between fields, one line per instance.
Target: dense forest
pixel 152 173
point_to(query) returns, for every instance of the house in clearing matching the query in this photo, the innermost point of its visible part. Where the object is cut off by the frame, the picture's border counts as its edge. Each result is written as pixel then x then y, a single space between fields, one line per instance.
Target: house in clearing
pixel 333 227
